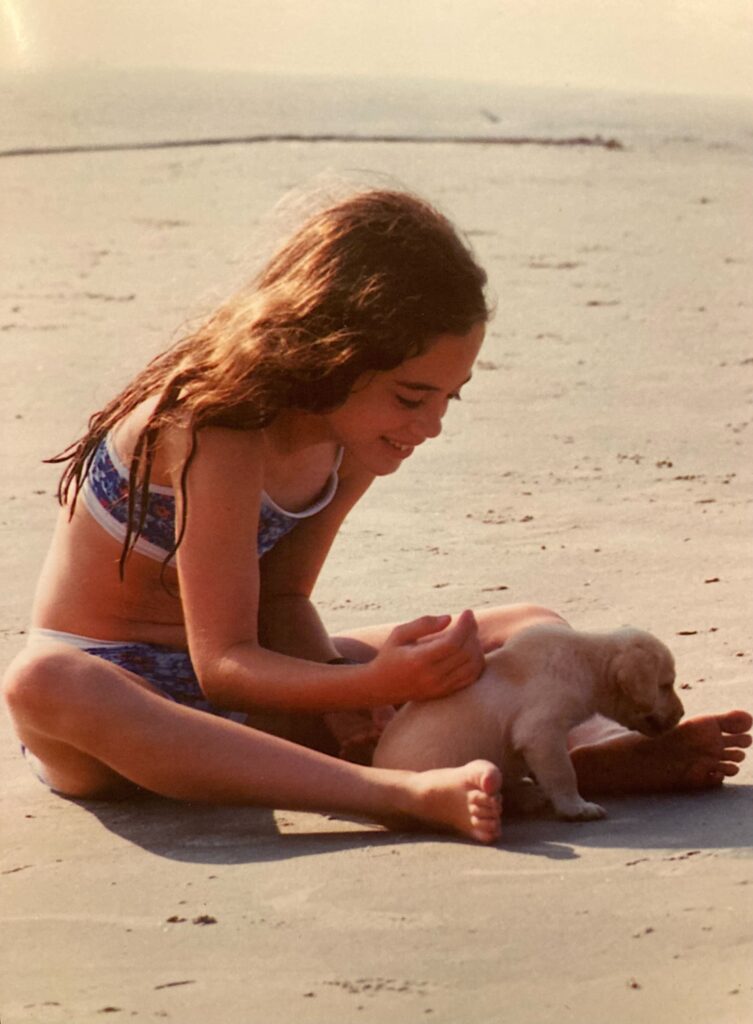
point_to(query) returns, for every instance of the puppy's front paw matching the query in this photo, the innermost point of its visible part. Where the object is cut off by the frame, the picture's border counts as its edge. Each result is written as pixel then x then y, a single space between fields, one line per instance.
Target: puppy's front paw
pixel 579 810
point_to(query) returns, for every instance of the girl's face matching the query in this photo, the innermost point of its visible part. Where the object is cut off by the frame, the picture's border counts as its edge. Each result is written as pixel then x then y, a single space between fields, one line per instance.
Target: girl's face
pixel 389 414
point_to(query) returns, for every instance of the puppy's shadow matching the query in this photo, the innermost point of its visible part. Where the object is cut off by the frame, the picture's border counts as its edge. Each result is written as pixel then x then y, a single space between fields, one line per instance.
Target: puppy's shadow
pixel 718 821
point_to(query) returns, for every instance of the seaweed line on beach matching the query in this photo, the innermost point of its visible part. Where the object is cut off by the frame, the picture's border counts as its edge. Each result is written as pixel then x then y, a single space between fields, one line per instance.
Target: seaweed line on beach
pixel 250 140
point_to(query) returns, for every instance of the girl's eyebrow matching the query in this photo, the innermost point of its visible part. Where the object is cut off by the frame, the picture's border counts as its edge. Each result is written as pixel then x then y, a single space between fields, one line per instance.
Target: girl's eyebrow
pixel 414 385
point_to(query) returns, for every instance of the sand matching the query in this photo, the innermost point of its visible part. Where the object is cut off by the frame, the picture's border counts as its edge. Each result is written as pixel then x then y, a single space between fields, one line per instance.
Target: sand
pixel 599 463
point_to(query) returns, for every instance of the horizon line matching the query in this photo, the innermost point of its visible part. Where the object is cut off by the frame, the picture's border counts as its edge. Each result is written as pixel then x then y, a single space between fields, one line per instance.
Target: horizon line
pixel 244 140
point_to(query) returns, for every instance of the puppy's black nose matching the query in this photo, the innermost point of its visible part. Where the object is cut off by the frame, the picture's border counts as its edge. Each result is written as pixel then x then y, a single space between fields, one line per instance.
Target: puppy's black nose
pixel 657 724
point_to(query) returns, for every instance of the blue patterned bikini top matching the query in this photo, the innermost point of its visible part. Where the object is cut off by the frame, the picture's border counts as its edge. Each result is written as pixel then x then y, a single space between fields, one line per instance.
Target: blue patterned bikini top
pixel 105 494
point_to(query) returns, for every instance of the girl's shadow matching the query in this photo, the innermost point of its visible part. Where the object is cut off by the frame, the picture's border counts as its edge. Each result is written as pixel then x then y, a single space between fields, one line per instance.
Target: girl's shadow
pixel 210 834
pixel 680 825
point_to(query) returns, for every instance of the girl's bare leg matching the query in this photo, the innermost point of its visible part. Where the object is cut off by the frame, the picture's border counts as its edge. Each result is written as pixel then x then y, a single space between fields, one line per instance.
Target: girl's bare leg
pixel 93 726
pixel 495 627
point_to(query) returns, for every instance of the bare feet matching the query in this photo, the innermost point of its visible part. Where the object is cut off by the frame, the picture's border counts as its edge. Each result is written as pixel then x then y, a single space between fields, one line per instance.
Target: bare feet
pixel 697 754
pixel 465 800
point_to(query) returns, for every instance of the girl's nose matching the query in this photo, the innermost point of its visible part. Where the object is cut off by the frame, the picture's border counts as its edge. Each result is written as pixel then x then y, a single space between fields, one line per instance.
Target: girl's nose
pixel 429 422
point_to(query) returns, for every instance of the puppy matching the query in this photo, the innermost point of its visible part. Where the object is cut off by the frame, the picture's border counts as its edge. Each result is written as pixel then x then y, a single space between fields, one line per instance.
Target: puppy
pixel 534 690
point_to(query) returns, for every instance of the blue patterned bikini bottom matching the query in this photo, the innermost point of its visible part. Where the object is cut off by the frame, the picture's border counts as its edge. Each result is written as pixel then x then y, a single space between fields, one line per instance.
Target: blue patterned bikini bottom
pixel 169 670
pixel 166 668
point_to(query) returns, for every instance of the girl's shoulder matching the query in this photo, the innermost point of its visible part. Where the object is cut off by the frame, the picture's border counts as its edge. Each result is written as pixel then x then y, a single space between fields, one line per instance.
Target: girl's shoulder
pixel 234 452
pixel 126 431
pixel 177 442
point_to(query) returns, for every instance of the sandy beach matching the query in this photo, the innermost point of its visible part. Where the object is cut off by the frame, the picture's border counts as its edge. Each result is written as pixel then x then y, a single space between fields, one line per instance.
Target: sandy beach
pixel 599 463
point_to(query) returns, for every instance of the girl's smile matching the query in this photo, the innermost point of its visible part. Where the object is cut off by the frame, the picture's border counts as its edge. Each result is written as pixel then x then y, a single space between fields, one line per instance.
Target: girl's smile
pixel 387 415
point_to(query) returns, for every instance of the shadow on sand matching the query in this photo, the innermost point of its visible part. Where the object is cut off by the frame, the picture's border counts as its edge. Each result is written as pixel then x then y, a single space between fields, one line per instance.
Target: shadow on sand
pixel 683 824
pixel 680 824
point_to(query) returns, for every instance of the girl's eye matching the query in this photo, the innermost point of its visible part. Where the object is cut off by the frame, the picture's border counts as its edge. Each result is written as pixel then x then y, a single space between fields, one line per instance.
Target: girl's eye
pixel 409 403
pixel 412 403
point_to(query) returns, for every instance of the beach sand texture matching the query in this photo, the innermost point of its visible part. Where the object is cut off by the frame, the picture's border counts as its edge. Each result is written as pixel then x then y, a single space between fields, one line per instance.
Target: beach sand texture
pixel 599 463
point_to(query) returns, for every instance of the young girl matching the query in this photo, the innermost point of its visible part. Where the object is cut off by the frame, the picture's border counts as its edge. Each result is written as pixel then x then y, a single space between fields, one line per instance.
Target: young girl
pixel 199 508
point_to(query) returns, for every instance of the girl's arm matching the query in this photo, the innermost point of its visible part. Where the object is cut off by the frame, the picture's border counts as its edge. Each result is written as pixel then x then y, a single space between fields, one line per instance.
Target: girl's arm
pixel 221 592
pixel 288 621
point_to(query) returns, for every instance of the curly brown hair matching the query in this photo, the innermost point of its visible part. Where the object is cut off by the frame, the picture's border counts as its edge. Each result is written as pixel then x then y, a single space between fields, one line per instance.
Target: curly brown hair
pixel 363 285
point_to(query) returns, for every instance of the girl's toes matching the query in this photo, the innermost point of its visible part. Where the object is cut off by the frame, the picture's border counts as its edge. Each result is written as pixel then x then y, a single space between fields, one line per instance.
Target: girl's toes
pixel 489 778
pixel 735 722
pixel 732 754
pixel 744 739
pixel 485 813
pixel 485 831
pixel 486 806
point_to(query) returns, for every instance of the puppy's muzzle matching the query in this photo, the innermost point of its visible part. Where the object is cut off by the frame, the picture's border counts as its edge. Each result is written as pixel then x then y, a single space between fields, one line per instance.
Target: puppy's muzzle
pixel 656 724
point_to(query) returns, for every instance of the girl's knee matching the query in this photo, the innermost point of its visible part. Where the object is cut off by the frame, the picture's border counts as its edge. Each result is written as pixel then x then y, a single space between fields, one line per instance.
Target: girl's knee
pixel 498 625
pixel 35 679
pixel 534 614
pixel 42 687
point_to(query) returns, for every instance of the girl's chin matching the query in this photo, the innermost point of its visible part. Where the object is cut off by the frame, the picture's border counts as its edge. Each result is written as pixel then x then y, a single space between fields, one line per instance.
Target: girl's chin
pixel 381 458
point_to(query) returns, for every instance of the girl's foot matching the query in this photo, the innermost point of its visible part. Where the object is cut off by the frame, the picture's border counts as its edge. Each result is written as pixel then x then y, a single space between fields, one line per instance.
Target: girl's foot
pixel 465 800
pixel 697 754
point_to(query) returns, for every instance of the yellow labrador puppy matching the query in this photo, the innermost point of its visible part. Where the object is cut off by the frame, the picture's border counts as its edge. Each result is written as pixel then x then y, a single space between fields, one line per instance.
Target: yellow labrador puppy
pixel 534 690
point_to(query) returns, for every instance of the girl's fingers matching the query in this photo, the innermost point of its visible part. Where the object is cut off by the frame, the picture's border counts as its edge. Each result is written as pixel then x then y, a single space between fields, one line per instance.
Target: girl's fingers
pixel 446 664
pixel 458 680
pixel 464 627
pixel 437 655
pixel 458 673
pixel 425 626
pixel 448 643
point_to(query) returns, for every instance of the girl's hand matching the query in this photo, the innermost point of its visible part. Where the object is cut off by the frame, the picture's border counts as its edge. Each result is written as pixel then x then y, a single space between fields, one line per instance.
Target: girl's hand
pixel 429 657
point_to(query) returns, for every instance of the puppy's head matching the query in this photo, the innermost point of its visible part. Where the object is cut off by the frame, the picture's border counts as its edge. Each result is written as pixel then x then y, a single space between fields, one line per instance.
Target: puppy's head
pixel 641 676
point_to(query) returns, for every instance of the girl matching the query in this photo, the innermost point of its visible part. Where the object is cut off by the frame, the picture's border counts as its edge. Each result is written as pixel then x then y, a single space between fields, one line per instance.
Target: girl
pixel 199 508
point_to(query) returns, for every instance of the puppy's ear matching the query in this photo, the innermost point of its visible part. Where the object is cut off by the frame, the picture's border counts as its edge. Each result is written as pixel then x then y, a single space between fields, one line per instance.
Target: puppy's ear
pixel 635 672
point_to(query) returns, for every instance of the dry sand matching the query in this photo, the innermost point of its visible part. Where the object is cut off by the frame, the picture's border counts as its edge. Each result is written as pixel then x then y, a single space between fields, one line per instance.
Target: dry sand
pixel 597 464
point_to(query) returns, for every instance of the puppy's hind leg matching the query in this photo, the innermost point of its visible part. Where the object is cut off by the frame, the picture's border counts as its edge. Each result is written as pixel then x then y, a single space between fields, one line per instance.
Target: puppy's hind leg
pixel 548 759
pixel 520 794
pixel 523 797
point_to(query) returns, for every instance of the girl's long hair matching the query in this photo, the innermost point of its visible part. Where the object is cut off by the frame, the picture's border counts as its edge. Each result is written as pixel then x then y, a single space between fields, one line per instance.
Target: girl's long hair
pixel 361 286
